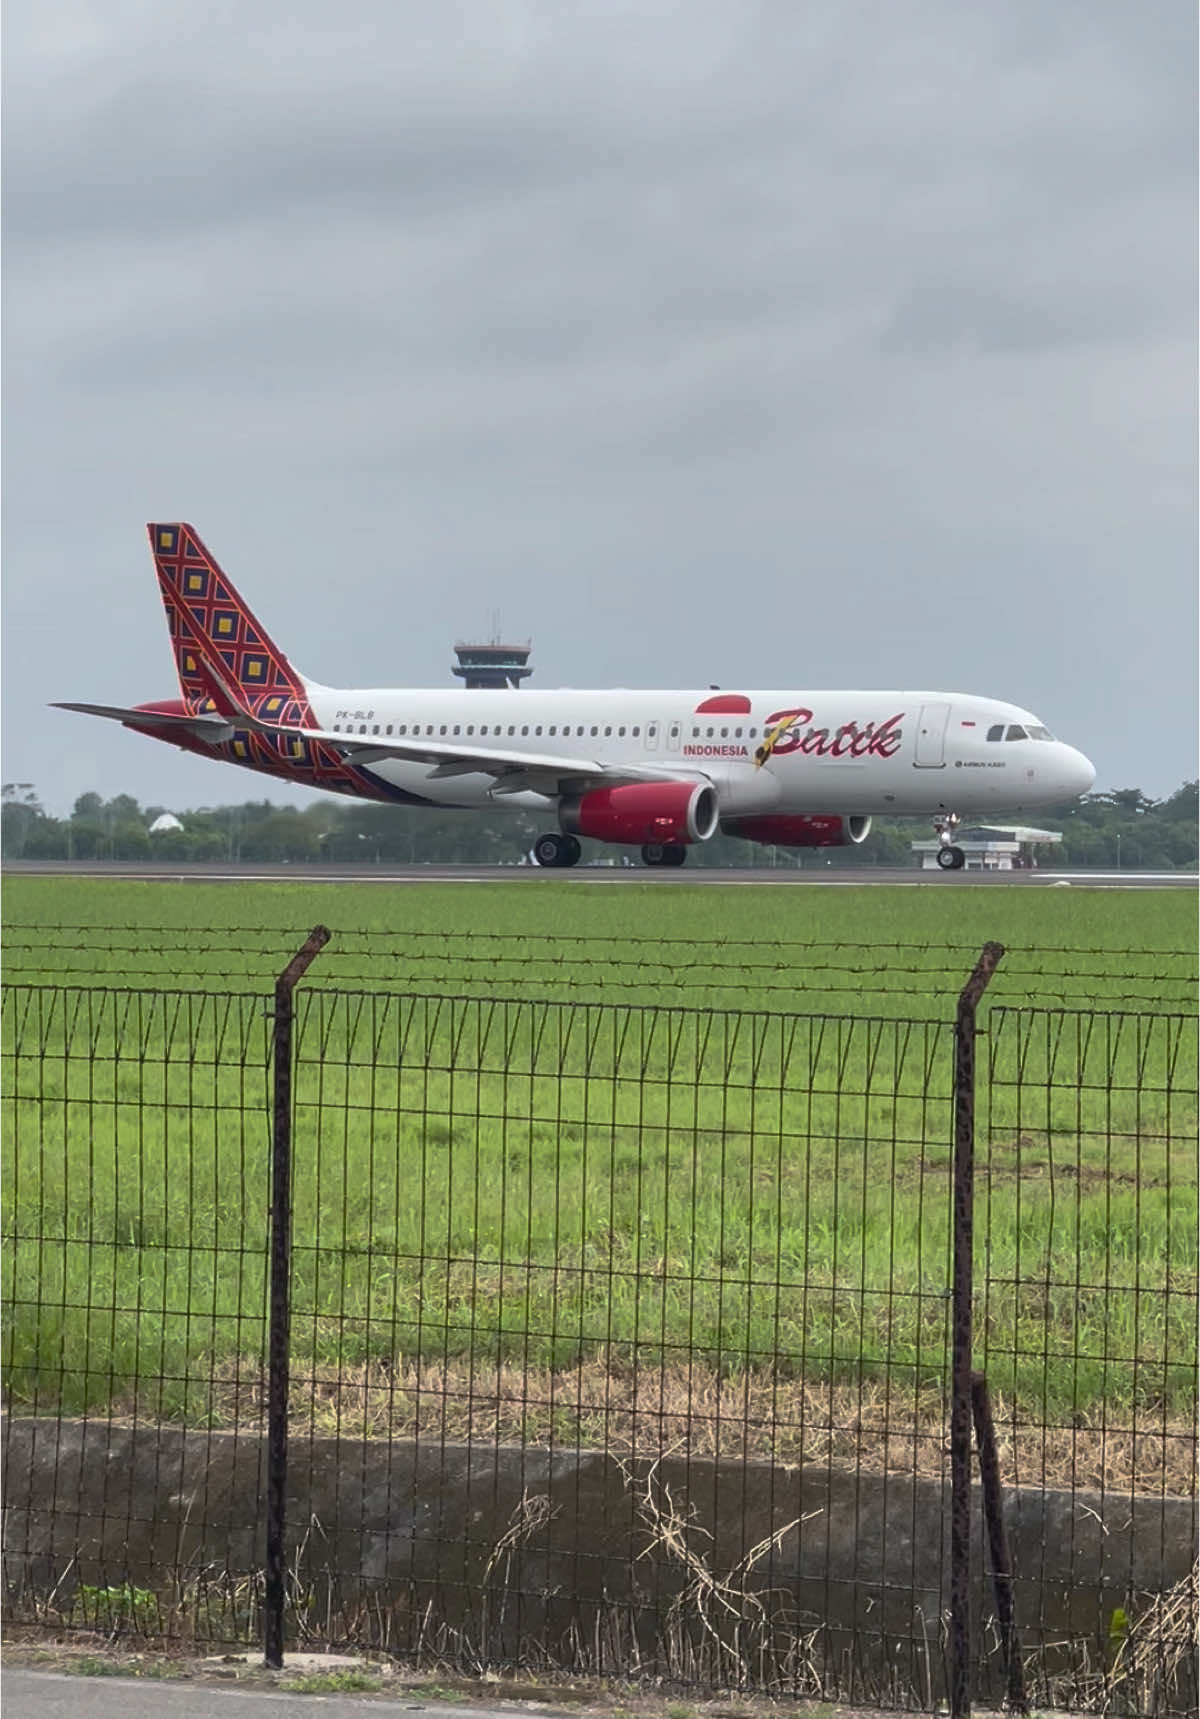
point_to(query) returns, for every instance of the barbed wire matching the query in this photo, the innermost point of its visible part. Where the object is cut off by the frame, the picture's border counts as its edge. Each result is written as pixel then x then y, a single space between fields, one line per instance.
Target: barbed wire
pixel 1078 1001
pixel 614 964
pixel 368 934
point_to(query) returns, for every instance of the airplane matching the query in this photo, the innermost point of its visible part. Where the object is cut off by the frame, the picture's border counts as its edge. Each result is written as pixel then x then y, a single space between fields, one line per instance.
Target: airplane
pixel 659 771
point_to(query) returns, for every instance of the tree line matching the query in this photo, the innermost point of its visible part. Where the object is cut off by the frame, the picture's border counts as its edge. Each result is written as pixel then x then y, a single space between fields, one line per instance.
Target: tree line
pixel 1123 829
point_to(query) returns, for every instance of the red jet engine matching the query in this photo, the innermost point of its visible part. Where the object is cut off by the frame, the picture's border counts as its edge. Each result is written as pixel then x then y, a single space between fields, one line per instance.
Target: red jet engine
pixel 643 812
pixel 816 830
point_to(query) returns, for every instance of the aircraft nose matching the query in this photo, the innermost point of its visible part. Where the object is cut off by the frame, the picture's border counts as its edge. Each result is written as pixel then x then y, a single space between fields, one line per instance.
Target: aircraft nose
pixel 1080 772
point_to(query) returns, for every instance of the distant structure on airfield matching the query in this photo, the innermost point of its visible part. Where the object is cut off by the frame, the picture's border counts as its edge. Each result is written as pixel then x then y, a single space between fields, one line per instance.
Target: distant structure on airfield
pixel 493 665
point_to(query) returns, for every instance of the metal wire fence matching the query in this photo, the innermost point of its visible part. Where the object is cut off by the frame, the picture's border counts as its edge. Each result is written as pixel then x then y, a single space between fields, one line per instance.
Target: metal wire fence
pixel 620 1334
pixel 728 972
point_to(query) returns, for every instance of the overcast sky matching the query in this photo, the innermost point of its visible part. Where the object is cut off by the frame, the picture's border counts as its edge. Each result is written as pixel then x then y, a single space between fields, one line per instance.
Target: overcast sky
pixel 768 344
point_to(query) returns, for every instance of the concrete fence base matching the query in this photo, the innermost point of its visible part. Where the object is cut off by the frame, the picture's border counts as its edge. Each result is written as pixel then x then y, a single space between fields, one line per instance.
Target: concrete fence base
pixel 821 1579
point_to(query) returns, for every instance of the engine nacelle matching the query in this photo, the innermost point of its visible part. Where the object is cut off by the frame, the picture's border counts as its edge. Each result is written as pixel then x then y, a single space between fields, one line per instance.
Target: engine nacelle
pixel 794 830
pixel 643 812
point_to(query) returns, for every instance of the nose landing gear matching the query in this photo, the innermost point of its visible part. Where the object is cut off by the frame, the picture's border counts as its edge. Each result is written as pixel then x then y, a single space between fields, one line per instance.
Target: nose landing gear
pixel 950 858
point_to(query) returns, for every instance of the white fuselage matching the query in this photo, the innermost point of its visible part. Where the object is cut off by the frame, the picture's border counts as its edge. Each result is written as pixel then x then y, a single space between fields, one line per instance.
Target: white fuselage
pixel 900 752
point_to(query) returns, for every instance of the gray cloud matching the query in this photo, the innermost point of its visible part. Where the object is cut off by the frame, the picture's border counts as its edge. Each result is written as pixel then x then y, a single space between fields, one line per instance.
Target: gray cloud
pixel 796 345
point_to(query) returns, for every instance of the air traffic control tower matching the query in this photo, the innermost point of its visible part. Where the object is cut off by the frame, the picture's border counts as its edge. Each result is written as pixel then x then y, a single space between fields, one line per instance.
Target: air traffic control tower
pixel 493 665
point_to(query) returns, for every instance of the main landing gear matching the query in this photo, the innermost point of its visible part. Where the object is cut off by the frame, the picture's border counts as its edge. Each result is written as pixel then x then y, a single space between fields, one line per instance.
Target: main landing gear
pixel 664 853
pixel 950 858
pixel 556 850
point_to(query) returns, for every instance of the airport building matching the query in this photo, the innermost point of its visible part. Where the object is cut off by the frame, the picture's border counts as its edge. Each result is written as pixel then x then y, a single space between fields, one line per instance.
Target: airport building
pixel 493 665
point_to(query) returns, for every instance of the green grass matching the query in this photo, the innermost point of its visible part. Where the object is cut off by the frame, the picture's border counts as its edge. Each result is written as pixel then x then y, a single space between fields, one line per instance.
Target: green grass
pixel 738 947
pixel 332 1683
pixel 556 1126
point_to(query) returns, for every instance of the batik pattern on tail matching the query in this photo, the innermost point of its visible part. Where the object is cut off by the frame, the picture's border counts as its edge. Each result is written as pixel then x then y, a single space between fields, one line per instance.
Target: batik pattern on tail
pixel 213 632
pixel 205 614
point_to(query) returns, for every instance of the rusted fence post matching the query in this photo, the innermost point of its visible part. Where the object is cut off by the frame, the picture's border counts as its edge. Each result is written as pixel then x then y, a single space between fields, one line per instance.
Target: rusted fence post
pixel 960 1366
pixel 280 1314
pixel 993 1514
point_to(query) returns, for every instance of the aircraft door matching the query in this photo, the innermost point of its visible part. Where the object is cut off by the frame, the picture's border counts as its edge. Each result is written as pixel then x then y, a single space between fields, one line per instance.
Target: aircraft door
pixel 674 736
pixel 931 737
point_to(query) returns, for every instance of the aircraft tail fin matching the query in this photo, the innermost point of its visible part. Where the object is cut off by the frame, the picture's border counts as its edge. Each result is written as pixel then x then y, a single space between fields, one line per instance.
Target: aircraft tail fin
pixel 219 645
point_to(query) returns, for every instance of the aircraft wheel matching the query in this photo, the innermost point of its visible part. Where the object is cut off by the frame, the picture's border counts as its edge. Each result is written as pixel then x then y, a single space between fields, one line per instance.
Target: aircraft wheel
pixel 551 850
pixel 674 854
pixel 571 851
pixel 654 854
pixel 951 859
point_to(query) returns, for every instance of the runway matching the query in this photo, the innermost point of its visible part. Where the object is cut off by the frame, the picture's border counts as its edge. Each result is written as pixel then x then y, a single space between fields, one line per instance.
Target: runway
pixel 830 877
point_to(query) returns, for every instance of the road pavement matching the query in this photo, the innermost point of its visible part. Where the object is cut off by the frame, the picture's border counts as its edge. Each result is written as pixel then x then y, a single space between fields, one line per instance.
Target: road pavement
pixel 30 1694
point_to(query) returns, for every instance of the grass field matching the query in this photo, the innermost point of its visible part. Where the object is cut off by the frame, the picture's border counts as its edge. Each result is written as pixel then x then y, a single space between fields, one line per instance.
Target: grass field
pixel 896 950
pixel 571 1162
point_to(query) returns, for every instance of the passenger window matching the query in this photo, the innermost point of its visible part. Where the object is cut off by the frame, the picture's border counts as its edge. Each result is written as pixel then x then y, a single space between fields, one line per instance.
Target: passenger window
pixel 996 733
pixel 552 729
pixel 538 729
pixel 403 728
pixel 511 728
pixel 595 731
pixel 737 734
pixel 708 733
pixel 608 732
pixel 362 728
pixel 1016 732
pixel 470 728
pixel 457 730
pixel 525 730
pixel 443 728
pixel 724 734
pixel 637 731
pixel 620 733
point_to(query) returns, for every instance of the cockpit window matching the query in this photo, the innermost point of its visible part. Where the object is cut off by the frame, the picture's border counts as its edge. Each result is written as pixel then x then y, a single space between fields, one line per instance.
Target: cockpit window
pixel 1039 733
pixel 996 733
pixel 1016 732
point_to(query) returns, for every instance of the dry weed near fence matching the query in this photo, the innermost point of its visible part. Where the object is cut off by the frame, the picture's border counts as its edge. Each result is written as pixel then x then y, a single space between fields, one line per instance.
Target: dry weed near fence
pixel 619 1334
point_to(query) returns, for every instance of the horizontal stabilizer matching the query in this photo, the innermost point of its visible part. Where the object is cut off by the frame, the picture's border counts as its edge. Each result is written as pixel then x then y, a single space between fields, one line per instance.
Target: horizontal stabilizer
pixel 214 729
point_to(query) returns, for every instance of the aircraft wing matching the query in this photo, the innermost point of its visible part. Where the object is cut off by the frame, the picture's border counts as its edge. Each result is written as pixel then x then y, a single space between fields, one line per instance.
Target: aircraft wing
pixel 515 772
